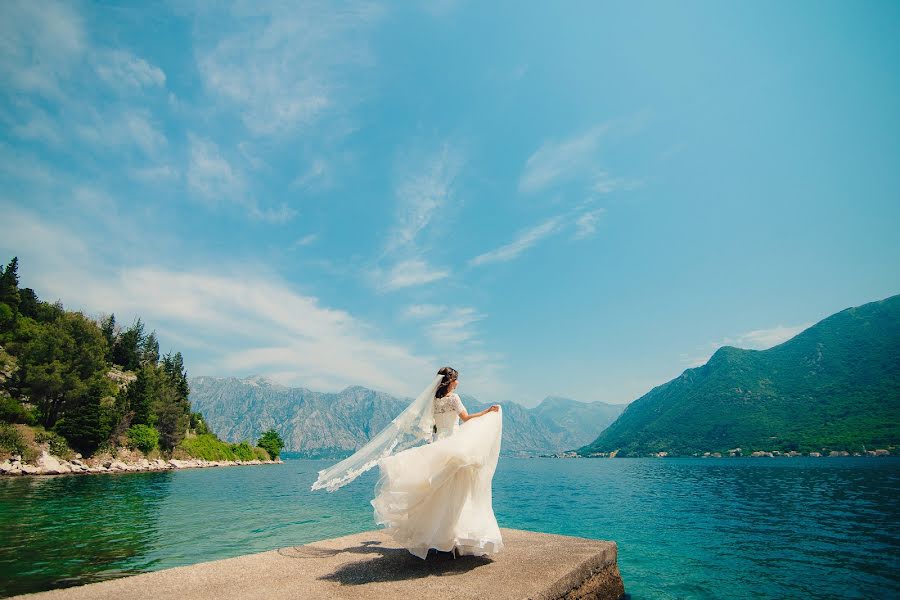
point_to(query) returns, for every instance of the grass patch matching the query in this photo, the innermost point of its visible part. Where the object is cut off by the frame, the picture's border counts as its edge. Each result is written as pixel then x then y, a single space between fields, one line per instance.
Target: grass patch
pixel 208 447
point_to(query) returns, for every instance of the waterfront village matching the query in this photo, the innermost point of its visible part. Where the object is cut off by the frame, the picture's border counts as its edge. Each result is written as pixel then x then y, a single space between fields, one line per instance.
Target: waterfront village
pixel 733 453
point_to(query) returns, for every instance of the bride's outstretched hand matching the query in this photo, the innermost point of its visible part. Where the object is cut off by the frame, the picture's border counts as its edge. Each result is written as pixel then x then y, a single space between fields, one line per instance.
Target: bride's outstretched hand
pixel 494 408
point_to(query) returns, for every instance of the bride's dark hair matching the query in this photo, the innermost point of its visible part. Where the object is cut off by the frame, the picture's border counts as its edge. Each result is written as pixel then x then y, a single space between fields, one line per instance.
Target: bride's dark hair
pixel 450 374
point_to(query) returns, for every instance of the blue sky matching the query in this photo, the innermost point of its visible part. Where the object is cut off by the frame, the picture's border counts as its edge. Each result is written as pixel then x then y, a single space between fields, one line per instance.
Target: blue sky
pixel 579 199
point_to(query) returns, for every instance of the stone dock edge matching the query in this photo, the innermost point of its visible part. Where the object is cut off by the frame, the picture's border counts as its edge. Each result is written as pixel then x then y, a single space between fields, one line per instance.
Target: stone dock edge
pixel 371 566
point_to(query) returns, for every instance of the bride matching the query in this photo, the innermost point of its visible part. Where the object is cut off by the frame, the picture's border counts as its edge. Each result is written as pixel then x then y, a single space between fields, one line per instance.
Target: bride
pixel 438 494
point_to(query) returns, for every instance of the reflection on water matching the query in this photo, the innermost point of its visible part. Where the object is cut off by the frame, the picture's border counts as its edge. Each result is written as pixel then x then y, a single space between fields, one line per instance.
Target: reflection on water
pixel 67 530
pixel 685 528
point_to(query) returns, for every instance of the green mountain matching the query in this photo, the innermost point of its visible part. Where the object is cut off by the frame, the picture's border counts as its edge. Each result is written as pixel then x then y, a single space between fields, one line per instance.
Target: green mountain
pixel 834 386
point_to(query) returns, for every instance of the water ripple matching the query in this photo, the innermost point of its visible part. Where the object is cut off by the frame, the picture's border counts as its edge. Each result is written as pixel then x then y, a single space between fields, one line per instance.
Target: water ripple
pixel 685 528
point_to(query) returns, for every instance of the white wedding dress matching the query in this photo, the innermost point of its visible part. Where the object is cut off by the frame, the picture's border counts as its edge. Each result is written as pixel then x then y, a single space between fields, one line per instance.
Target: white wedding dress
pixel 438 495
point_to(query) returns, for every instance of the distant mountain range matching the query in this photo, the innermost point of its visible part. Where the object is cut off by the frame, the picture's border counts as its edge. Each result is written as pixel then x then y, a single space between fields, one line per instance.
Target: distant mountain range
pixel 332 425
pixel 834 386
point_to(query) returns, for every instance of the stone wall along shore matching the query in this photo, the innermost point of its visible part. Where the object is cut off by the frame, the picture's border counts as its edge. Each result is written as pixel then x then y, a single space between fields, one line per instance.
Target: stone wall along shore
pixel 47 464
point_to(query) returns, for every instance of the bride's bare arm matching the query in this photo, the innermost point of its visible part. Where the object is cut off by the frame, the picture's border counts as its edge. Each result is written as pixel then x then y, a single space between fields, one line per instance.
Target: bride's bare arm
pixel 466 416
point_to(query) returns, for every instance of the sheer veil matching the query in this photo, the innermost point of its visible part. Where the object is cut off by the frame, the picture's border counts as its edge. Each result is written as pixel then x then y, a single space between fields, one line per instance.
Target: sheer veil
pixel 410 427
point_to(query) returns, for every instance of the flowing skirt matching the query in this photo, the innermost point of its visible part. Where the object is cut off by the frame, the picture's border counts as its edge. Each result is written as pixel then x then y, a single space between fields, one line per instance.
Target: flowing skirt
pixel 439 495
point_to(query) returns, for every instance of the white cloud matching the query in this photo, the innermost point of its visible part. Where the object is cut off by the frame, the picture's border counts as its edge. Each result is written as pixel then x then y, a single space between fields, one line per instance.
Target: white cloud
pixel 452 331
pixel 577 158
pixel 557 161
pixel 123 70
pixel 306 240
pixel 155 174
pixel 758 339
pixel 245 319
pixel 454 326
pixel 424 311
pixel 285 66
pixel 316 174
pixel 209 173
pixel 425 187
pixel 410 272
pixel 117 129
pixel 215 180
pixel 586 223
pixel 40 43
pixel 607 184
pixel 523 241
pixel 761 339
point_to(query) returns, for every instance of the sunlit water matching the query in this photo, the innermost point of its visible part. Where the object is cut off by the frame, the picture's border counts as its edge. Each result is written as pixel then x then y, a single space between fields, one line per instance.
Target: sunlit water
pixel 685 528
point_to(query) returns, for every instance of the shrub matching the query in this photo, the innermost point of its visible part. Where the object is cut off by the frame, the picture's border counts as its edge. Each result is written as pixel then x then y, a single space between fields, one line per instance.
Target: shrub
pixel 143 437
pixel 261 453
pixel 12 411
pixel 57 443
pixel 11 440
pixel 243 451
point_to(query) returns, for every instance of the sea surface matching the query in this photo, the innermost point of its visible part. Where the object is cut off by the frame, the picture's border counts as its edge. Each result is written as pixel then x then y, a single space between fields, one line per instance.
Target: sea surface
pixel 685 527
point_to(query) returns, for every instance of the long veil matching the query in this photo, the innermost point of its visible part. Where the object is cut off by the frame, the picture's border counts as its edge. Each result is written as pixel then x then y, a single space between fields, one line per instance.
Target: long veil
pixel 410 427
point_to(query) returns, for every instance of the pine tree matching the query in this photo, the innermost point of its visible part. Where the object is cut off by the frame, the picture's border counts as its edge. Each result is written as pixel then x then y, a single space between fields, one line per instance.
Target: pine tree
pixel 108 327
pixel 126 351
pixel 139 395
pixel 9 284
pixel 83 424
pixel 150 350
pixel 29 304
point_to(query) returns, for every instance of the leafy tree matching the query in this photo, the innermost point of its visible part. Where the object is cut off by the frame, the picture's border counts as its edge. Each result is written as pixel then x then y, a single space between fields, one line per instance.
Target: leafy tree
pixel 271 442
pixel 143 437
pixel 56 359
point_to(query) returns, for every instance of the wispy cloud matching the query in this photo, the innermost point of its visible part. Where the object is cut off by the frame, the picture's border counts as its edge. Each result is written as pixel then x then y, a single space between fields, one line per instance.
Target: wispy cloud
pixel 559 160
pixel 524 240
pixel 282 67
pixel 586 223
pixel 306 240
pixel 455 326
pixel 213 178
pixel 761 339
pixel 123 70
pixel 576 158
pixel 606 184
pixel 758 339
pixel 453 332
pixel 410 272
pixel 424 311
pixel 247 320
pixel 40 43
pixel 425 188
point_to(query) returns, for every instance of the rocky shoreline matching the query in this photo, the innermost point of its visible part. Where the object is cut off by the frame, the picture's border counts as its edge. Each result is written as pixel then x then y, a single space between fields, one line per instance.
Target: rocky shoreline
pixel 47 464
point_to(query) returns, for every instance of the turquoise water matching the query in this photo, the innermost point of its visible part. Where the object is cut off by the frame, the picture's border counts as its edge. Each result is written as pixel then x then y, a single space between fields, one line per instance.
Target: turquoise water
pixel 686 528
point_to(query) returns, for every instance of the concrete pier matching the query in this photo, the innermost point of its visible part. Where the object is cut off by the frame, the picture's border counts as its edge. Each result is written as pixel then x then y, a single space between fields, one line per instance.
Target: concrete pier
pixel 371 565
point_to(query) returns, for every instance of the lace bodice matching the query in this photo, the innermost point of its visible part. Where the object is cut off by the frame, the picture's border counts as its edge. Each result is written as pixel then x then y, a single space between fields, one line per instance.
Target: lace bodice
pixel 450 403
pixel 446 415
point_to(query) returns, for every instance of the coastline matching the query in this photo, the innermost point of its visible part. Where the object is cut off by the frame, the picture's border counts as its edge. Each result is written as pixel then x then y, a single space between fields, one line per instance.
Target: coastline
pixel 48 464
